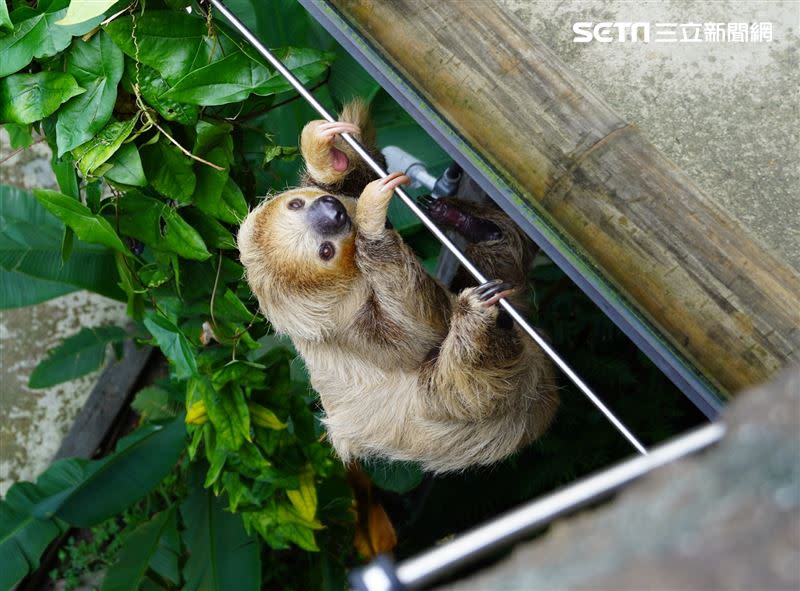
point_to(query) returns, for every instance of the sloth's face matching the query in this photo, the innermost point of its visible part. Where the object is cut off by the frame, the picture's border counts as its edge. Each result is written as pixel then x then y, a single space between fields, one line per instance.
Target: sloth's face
pixel 302 239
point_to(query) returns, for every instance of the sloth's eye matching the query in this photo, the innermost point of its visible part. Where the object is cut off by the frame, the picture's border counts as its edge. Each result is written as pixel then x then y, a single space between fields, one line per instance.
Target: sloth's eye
pixel 326 251
pixel 296 204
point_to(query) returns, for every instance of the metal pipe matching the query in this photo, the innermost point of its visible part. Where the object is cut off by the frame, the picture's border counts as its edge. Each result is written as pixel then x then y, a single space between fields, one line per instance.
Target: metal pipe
pixel 440 236
pixel 421 570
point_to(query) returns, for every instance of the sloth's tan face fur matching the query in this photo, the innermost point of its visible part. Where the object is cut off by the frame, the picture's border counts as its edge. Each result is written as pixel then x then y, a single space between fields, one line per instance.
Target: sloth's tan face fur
pixel 298 273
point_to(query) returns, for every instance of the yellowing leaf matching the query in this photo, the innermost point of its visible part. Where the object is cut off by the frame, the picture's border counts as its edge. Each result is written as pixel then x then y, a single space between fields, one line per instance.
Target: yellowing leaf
pixel 83 10
pixel 264 417
pixel 197 414
pixel 304 499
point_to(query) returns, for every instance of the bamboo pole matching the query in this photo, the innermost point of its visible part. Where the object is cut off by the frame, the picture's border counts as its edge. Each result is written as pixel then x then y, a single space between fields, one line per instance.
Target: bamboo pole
pixel 716 294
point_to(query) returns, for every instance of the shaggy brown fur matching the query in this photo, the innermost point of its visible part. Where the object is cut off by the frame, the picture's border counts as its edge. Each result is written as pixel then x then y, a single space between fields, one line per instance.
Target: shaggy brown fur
pixel 404 369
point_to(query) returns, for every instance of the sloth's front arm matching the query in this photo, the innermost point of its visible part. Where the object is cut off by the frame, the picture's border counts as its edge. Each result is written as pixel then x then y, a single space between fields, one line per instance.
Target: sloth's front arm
pixel 407 294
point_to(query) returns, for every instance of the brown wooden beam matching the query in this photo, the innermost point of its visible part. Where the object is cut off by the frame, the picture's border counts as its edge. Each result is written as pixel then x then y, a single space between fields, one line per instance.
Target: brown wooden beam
pixel 716 294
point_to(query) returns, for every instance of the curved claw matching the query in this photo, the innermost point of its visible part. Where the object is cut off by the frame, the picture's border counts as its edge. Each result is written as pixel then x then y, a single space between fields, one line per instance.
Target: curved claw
pixel 426 201
pixel 493 291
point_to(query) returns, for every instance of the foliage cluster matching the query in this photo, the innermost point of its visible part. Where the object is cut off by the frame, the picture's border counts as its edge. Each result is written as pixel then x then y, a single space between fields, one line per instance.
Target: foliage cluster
pixel 164 127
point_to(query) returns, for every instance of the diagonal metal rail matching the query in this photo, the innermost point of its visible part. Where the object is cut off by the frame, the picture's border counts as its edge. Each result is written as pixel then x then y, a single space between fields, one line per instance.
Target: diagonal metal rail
pixel 440 236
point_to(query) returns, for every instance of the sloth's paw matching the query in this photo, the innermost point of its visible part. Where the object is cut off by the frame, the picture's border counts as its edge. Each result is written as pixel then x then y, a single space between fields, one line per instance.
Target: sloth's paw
pixel 492 292
pixel 374 202
pixel 318 145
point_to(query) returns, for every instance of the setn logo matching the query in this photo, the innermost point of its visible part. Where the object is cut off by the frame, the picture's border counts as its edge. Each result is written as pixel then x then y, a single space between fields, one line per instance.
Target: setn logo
pixel 606 32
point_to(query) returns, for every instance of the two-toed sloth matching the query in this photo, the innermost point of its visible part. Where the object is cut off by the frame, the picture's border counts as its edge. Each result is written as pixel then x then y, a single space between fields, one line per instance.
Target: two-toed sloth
pixel 404 368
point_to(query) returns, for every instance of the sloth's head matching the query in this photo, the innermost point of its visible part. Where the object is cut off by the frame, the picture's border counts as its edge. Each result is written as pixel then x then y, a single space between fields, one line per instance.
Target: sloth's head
pixel 298 249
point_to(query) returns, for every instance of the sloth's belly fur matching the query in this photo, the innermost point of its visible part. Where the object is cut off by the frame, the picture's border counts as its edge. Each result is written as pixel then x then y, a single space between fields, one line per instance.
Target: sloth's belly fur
pixel 372 411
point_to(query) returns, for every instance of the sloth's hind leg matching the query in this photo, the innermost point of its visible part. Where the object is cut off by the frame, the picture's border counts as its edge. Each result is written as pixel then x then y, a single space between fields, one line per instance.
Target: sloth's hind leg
pixel 494 243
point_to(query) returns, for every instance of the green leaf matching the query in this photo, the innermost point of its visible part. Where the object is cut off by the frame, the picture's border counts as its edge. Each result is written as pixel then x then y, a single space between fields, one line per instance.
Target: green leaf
pixel 112 484
pixel 25 98
pixel 19 136
pixel 141 546
pixel 204 70
pixel 5 20
pixel 80 11
pixel 304 499
pixel 174 345
pixel 227 410
pixel 154 403
pixel 213 233
pixel 87 226
pixel 220 551
pixel 169 170
pixel 17 290
pixel 153 88
pixel 126 167
pixel 159 226
pixel 279 524
pixel 66 176
pixel 35 35
pixel 30 239
pixel 78 355
pixel 234 77
pixel 97 66
pixel 171 42
pixel 211 135
pixel 24 537
pixel 228 307
pixel 103 146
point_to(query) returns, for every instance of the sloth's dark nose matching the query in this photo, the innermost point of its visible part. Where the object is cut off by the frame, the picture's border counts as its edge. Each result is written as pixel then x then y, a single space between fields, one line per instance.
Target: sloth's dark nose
pixel 328 216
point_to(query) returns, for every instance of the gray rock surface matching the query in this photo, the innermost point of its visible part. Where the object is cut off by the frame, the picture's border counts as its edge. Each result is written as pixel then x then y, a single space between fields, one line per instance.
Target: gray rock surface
pixel 34 422
pixel 726 113
pixel 726 519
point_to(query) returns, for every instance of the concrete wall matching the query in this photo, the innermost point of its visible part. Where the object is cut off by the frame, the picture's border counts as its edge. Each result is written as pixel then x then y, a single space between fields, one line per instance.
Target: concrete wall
pixel 34 422
pixel 726 113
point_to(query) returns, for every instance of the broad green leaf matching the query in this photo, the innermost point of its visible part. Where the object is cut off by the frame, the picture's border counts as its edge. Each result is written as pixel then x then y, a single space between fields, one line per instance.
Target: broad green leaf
pixel 66 176
pixel 18 290
pixel 154 403
pixel 25 98
pixel 76 356
pixel 19 136
pixel 280 524
pixel 35 35
pixel 112 484
pixel 126 167
pixel 220 551
pixel 213 233
pixel 304 499
pixel 140 547
pixel 234 77
pixel 88 227
pixel 210 135
pixel 30 244
pixel 159 226
pixel 80 11
pixel 228 307
pixel 102 146
pixel 153 88
pixel 5 20
pixel 171 42
pixel 174 345
pixel 204 70
pixel 227 410
pixel 97 66
pixel 168 170
pixel 165 560
pixel 24 537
